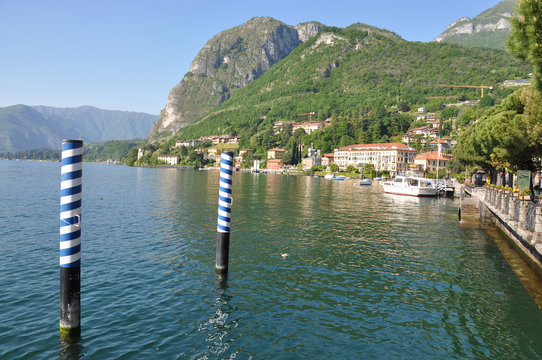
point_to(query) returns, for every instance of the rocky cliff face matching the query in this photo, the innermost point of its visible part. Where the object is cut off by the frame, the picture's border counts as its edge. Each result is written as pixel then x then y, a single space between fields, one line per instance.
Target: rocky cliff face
pixel 466 26
pixel 488 29
pixel 229 61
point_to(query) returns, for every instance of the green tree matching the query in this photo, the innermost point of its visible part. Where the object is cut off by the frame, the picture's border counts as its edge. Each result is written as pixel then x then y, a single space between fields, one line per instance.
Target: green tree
pixel 351 169
pixel 404 107
pixel 525 39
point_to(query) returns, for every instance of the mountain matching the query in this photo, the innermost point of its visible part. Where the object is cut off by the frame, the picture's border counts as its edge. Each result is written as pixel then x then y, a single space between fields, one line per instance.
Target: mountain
pixel 488 29
pixel 229 61
pixel 25 127
pixel 359 72
pixel 101 125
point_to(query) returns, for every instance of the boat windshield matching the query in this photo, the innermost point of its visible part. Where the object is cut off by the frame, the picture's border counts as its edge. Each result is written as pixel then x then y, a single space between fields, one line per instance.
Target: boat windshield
pixel 413 182
pixel 398 180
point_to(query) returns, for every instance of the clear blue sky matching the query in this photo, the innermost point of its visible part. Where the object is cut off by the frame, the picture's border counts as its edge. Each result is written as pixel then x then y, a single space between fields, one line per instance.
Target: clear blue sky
pixel 127 55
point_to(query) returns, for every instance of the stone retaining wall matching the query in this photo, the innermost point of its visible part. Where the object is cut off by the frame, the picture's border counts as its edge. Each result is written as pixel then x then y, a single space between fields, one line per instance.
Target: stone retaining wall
pixel 518 217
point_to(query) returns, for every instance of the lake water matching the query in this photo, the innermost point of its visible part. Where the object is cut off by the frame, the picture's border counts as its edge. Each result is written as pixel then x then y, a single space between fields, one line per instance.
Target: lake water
pixel 368 276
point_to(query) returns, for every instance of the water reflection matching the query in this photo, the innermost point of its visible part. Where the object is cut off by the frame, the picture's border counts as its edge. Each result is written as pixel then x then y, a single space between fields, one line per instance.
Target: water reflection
pixel 70 349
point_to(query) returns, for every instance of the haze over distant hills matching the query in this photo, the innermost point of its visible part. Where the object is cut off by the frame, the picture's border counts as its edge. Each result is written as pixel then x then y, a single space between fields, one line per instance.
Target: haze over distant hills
pixel 25 127
pixel 488 29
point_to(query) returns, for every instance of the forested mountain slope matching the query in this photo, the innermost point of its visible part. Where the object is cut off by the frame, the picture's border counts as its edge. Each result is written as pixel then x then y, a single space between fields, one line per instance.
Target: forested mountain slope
pixel 356 73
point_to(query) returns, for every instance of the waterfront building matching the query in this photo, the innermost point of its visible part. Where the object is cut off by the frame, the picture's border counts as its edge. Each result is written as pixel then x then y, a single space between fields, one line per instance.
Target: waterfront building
pixel 429 161
pixel 169 159
pixel 311 161
pixel 392 157
pixel 274 164
pixel 328 159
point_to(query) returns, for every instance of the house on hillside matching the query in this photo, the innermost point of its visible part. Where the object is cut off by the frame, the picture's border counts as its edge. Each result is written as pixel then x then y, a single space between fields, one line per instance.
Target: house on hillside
pixel 246 151
pixel 220 139
pixel 275 153
pixel 425 132
pixel 445 144
pixel 280 125
pixel 308 126
pixel 186 143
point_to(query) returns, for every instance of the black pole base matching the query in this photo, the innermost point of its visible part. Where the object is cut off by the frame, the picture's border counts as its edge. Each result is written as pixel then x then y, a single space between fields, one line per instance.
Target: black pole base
pixel 70 302
pixel 222 252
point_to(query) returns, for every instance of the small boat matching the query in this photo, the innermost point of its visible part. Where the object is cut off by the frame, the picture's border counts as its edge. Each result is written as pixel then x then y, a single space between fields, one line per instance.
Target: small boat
pixel 329 176
pixel 365 181
pixel 411 186
pixel 338 178
pixel 377 179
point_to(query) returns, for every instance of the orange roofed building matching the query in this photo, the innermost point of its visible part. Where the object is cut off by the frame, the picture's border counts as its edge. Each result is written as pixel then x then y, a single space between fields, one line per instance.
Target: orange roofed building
pixel 392 157
pixel 428 161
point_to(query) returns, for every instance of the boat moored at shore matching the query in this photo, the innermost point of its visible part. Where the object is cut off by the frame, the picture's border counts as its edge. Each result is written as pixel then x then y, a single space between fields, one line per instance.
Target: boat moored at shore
pixel 410 186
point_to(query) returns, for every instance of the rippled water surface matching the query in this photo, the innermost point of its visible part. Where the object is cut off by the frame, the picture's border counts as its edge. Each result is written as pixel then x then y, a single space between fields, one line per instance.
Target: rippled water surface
pixel 368 275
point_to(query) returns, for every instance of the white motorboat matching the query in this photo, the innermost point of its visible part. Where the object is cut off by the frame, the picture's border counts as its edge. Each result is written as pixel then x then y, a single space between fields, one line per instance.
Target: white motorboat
pixel 411 186
pixel 365 181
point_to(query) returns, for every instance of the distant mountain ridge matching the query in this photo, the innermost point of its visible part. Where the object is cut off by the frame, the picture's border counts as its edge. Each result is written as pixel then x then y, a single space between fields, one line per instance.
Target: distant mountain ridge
pixel 359 72
pixel 24 127
pixel 229 61
pixel 488 29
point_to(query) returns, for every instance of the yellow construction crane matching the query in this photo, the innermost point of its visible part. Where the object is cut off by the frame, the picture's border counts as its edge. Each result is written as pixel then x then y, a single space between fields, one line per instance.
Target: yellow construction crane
pixel 481 87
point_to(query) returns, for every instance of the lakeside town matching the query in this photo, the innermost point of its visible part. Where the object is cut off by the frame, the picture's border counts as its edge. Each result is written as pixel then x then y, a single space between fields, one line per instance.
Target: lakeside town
pixel 379 159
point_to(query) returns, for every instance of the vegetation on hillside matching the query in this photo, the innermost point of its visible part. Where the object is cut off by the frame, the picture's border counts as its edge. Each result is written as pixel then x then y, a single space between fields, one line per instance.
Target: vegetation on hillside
pixel 525 40
pixel 365 81
pixel 509 135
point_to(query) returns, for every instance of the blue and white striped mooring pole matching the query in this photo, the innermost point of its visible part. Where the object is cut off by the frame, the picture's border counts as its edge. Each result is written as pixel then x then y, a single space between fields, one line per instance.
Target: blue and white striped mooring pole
pixel 224 213
pixel 70 238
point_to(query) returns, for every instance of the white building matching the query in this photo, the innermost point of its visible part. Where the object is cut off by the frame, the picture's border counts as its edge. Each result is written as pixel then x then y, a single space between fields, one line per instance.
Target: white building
pixel 393 157
pixel 308 126
pixel 169 159
pixel 426 132
pixel 186 143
